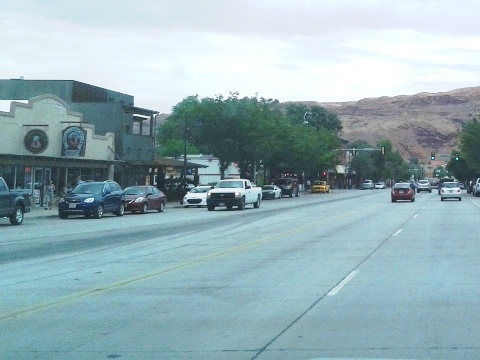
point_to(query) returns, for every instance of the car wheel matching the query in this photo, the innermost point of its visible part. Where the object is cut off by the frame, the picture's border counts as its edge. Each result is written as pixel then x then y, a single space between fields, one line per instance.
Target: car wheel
pixel 241 206
pixel 98 211
pixel 256 204
pixel 210 207
pixel 393 200
pixel 121 209
pixel 63 215
pixel 441 198
pixel 459 199
pixel 17 217
pixel 413 199
pixel 144 208
pixel 161 208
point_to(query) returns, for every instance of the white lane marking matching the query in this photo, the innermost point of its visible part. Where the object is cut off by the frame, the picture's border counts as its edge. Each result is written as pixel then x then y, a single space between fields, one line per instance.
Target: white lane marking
pixel 342 283
pixel 397 232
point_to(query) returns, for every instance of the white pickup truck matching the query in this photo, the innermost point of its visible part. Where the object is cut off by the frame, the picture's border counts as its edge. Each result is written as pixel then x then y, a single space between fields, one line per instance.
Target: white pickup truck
pixel 234 192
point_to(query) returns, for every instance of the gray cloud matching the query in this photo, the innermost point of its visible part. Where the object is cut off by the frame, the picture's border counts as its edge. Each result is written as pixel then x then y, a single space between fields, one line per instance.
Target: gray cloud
pixel 162 51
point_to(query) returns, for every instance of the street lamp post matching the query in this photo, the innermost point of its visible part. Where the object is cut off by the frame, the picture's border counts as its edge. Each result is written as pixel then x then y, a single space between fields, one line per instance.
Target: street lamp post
pixel 184 172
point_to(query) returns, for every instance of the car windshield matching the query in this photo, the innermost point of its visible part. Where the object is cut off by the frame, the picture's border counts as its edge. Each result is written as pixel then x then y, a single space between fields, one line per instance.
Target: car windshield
pixel 450 185
pixel 283 182
pixel 135 190
pixel 267 187
pixel 401 186
pixel 230 184
pixel 88 188
pixel 200 190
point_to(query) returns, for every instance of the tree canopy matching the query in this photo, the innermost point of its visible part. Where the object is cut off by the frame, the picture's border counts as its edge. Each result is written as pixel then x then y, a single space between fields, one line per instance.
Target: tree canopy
pixel 252 131
pixel 262 133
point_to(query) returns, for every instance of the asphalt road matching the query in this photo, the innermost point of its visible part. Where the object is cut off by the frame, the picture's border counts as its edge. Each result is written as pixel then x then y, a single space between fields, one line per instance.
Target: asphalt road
pixel 341 275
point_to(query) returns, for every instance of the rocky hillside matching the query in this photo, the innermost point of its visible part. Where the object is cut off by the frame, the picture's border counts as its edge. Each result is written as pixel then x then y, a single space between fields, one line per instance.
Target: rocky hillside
pixel 416 124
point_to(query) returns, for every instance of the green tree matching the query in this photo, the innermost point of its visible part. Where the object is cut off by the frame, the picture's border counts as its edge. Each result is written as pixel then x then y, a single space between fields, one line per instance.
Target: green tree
pixel 374 165
pixel 470 145
pixel 459 167
pixel 315 116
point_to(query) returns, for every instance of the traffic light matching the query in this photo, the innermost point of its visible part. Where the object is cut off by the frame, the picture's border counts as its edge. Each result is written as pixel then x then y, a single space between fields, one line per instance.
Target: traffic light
pixel 432 156
pixel 324 173
pixel 457 156
pixel 382 150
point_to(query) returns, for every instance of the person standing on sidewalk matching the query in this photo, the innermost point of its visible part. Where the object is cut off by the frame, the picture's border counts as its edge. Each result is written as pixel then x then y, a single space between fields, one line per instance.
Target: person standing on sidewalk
pixel 50 190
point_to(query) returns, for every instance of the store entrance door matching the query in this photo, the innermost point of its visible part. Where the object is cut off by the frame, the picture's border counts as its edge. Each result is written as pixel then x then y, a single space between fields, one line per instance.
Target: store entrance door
pixel 40 177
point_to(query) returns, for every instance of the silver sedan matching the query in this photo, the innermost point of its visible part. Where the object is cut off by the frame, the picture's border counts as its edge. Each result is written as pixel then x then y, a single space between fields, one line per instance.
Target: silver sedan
pixel 450 190
pixel 271 192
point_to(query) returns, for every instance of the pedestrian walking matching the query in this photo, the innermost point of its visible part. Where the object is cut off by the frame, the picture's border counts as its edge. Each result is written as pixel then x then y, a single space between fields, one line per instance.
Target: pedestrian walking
pixel 50 190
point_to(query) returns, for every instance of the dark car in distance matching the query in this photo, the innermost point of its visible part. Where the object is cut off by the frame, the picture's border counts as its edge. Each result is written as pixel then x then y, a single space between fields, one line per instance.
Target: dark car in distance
pixel 93 198
pixel 289 186
pixel 403 191
pixel 141 198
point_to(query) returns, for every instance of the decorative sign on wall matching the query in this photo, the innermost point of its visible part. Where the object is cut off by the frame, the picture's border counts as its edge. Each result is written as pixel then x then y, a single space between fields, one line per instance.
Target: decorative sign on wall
pixel 74 141
pixel 36 141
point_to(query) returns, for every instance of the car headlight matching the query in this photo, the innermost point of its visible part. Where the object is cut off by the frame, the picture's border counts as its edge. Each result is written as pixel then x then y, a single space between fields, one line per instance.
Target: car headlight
pixel 89 200
pixel 209 194
pixel 62 200
pixel 139 199
pixel 238 194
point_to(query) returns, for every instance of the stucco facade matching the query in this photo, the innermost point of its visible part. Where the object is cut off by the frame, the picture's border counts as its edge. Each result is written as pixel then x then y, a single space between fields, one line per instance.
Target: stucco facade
pixel 43 139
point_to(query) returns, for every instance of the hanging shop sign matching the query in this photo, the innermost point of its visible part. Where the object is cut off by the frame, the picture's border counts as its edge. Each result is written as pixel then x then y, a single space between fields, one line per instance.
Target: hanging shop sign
pixel 36 141
pixel 74 141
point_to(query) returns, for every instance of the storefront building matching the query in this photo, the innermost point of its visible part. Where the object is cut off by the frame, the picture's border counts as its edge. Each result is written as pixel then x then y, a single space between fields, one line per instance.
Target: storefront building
pixel 97 113
pixel 109 111
pixel 44 139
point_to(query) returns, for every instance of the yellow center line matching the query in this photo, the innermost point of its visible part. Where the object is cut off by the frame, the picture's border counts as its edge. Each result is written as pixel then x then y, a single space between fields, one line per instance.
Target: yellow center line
pixel 95 291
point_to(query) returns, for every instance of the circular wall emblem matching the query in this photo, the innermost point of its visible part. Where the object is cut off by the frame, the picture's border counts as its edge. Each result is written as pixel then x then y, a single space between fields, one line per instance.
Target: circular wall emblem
pixel 36 141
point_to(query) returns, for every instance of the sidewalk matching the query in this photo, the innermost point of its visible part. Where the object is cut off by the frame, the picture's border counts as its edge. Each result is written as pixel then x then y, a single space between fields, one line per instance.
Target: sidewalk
pixel 40 212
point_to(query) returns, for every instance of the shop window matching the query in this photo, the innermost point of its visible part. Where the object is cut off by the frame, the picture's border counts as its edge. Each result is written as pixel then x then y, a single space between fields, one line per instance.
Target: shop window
pixel 8 174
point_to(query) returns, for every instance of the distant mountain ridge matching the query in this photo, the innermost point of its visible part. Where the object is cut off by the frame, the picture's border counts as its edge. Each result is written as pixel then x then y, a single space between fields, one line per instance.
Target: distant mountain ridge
pixel 415 124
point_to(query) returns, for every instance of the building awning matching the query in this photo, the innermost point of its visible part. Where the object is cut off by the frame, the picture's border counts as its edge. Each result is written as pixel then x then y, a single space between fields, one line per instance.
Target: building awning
pixel 139 111
pixel 166 161
pixel 57 161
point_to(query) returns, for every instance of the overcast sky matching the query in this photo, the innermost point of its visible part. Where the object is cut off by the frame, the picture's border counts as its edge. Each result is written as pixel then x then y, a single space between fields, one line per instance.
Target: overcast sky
pixel 161 51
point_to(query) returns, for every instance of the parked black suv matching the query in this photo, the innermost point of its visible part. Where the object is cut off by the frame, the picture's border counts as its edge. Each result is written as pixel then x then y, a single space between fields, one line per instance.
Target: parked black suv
pixel 93 198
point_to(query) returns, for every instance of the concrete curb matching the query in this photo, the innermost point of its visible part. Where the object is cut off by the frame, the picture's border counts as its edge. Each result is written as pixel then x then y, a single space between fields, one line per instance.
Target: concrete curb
pixel 39 212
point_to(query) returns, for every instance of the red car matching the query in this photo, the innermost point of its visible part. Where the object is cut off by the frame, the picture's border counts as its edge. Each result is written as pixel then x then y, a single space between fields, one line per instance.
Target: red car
pixel 141 198
pixel 403 191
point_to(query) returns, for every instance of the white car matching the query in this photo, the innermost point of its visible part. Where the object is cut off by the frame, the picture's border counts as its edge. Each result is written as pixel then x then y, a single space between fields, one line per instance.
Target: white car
pixel 380 185
pixel 424 185
pixel 450 190
pixel 368 184
pixel 271 192
pixel 196 197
